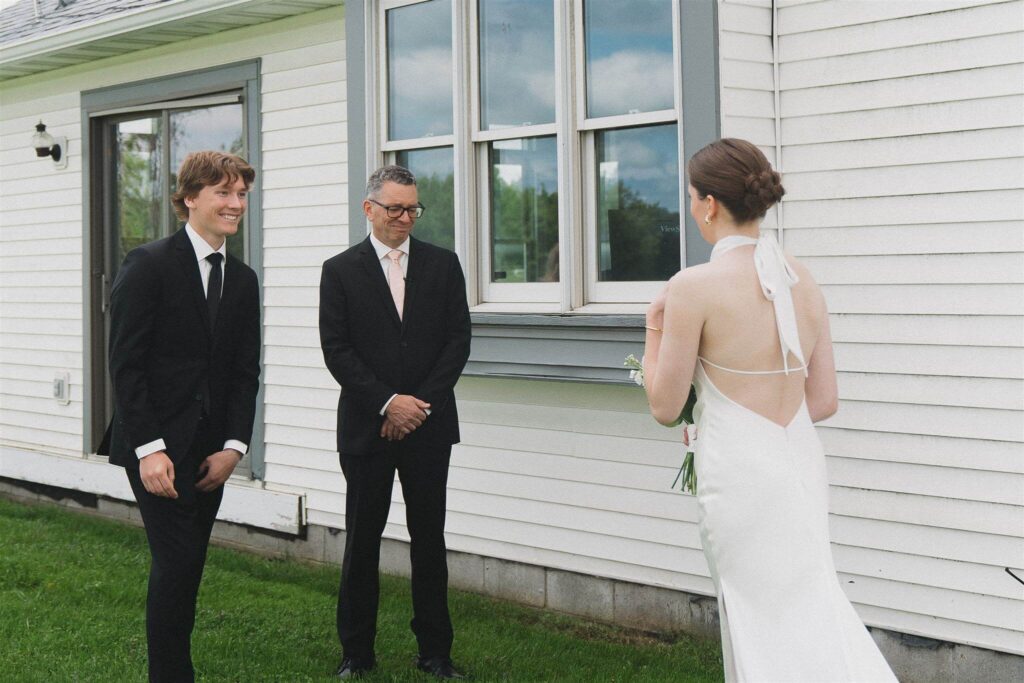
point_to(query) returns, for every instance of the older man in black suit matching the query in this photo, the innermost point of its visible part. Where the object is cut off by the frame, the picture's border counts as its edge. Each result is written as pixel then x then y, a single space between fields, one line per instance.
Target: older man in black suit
pixel 184 361
pixel 395 332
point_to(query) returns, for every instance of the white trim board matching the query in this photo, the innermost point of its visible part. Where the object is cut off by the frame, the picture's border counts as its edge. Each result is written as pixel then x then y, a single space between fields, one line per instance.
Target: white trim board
pixel 244 503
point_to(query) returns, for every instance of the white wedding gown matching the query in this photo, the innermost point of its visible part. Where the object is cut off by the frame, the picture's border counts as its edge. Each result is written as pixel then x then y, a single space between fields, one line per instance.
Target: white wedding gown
pixel 762 495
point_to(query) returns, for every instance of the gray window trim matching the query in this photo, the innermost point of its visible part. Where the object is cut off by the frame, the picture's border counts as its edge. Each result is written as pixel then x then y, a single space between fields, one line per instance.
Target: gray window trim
pixel 137 96
pixel 578 347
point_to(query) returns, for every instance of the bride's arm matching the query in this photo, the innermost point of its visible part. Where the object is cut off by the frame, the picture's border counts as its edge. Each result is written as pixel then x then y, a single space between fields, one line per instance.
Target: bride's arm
pixel 670 352
pixel 820 390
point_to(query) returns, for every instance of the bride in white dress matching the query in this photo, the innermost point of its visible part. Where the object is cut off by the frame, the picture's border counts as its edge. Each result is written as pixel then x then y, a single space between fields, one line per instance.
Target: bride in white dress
pixel 750 330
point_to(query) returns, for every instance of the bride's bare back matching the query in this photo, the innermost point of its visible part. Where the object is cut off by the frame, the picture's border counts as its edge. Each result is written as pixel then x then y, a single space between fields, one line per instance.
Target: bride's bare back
pixel 717 311
pixel 740 333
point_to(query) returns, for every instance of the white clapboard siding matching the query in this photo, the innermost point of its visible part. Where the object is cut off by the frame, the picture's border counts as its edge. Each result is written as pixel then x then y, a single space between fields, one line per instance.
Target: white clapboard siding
pixel 961 176
pixel 958 299
pixel 40 291
pixel 965 392
pixel 939 117
pixel 948 330
pixel 912 359
pixel 868 34
pixel 993 82
pixel 949 513
pixel 926 449
pixel 926 480
pixel 745 63
pixel 981 268
pixel 984 143
pixel 903 159
pixel 818 15
pixel 305 174
pixel 937 238
pixel 968 53
pixel 963 207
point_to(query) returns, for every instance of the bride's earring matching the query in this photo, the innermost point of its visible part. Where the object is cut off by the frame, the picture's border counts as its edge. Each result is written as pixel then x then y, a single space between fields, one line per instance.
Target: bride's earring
pixel 707 219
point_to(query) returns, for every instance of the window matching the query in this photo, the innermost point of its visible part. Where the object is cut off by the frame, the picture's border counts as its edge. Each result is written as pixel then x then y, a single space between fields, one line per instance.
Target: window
pixel 147 149
pixel 545 136
pixel 137 137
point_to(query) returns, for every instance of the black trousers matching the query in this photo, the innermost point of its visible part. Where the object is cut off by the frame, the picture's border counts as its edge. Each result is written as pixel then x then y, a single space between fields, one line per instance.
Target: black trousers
pixel 423 474
pixel 178 532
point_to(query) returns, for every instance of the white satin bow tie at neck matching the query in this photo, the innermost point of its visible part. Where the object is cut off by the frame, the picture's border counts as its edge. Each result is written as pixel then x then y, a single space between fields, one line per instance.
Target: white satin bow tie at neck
pixel 776 277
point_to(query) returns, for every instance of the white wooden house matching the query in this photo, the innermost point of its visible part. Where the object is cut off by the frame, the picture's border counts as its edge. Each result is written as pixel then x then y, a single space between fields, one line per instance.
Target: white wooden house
pixel 898 126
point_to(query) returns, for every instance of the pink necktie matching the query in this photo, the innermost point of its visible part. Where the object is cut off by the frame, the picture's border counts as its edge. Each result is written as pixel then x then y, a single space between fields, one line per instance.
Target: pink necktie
pixel 396 280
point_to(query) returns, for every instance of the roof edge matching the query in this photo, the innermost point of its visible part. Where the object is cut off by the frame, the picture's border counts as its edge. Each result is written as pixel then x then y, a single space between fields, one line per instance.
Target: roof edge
pixel 108 27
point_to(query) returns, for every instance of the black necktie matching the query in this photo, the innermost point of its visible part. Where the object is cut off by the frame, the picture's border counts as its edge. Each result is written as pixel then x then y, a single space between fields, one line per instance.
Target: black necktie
pixel 213 290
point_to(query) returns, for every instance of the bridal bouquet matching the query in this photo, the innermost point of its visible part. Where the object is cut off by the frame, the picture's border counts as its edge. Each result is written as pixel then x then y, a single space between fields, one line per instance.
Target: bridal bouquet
pixel 686 471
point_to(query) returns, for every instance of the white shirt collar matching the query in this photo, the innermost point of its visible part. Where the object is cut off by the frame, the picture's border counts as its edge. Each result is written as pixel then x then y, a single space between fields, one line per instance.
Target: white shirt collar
pixel 383 250
pixel 202 247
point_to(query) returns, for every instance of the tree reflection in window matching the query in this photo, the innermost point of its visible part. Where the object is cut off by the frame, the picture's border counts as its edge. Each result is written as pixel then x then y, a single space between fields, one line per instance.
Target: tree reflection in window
pixel 638 204
pixel 524 210
pixel 139 199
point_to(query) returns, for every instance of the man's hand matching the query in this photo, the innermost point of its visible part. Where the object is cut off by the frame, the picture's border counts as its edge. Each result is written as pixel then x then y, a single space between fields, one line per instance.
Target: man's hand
pixel 390 431
pixel 216 469
pixel 405 413
pixel 157 473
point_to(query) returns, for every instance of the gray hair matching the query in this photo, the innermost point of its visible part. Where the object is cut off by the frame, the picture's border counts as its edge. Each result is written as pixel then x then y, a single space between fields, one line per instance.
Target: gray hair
pixel 388 174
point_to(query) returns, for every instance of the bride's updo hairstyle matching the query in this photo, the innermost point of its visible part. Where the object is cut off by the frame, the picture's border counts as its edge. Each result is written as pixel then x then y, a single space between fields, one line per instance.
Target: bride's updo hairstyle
pixel 737 174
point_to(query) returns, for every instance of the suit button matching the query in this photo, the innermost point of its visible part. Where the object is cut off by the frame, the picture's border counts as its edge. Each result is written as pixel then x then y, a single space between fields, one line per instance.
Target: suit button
pixel 405 344
pixel 199 397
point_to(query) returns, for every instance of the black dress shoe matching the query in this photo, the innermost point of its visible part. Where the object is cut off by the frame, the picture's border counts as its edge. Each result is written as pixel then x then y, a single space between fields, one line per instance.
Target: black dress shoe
pixel 441 667
pixel 353 668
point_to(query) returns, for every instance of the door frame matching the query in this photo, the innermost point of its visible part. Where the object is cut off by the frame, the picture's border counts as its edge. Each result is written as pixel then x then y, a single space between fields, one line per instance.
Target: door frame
pixel 95 104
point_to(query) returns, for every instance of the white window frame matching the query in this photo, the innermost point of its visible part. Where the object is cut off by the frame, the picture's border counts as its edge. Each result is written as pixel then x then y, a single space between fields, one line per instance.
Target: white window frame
pixel 598 292
pixel 578 289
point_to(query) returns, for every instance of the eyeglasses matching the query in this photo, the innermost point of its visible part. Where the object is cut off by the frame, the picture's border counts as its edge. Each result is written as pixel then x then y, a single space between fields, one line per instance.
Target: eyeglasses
pixel 396 211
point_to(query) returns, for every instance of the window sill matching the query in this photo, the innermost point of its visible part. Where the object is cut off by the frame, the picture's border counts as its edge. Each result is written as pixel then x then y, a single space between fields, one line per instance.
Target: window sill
pixel 567 347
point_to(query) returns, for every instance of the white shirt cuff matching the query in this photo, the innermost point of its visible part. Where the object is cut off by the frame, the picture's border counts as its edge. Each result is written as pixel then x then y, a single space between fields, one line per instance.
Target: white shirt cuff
pixel 237 445
pixel 150 448
pixel 387 403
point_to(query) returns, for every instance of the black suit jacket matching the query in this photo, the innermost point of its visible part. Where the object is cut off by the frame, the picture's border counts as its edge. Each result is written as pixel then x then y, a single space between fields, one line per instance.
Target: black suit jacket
pixel 167 365
pixel 374 354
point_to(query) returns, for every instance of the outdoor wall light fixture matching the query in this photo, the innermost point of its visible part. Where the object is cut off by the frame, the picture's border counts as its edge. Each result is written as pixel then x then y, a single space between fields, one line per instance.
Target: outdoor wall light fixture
pixel 48 146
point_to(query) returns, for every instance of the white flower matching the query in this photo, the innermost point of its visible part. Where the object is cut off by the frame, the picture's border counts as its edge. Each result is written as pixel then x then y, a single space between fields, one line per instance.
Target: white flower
pixel 636 372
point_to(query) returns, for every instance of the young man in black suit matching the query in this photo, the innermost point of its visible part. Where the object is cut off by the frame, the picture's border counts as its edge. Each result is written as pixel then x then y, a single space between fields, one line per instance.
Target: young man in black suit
pixel 395 332
pixel 184 361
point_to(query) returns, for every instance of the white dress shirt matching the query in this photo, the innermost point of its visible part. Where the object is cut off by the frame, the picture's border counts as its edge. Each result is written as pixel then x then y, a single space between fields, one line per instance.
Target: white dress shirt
pixel 202 249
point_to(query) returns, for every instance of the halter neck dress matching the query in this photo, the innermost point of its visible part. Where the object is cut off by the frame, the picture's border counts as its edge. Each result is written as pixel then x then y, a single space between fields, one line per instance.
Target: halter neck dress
pixel 762 497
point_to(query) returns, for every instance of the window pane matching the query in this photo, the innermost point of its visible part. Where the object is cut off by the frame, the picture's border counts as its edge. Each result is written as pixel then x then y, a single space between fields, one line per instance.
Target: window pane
pixel 138 197
pixel 629 56
pixel 637 203
pixel 218 128
pixel 435 181
pixel 419 47
pixel 517 63
pixel 524 210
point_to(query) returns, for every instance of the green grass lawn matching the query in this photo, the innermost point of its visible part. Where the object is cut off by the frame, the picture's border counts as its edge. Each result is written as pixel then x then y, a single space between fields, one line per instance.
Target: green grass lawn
pixel 72 597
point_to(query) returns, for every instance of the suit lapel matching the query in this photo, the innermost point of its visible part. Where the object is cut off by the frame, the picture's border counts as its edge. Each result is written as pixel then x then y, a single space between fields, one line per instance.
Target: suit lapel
pixel 194 281
pixel 375 274
pixel 414 275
